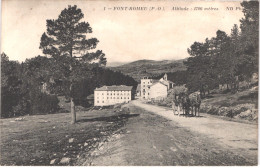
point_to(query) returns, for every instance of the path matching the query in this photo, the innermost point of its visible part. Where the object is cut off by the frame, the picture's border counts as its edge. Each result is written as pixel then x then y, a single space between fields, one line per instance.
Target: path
pixel 227 133
pixel 154 137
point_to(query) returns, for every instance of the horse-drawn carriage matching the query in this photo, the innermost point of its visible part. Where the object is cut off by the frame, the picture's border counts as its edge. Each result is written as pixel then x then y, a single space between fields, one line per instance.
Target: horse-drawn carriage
pixel 187 104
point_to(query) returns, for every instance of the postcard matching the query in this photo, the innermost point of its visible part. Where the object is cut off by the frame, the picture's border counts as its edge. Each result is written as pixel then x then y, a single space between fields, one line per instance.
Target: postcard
pixel 129 83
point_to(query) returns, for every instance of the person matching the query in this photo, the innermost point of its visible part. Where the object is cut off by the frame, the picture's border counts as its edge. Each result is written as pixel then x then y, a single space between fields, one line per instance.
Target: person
pixel 175 105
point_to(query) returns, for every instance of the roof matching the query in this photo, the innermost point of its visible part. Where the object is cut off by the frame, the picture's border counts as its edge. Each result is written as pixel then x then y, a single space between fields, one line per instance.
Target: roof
pixel 166 82
pixel 138 87
pixel 155 80
pixel 160 83
pixel 115 88
pixel 169 81
pixel 90 97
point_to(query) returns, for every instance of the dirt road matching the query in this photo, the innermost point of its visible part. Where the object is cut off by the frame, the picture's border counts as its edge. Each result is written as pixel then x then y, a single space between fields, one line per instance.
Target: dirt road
pixel 156 137
pixel 233 134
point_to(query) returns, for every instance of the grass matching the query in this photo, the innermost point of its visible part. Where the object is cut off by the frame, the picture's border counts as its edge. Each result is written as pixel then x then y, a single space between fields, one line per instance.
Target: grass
pixel 242 105
pixel 229 99
pixel 36 140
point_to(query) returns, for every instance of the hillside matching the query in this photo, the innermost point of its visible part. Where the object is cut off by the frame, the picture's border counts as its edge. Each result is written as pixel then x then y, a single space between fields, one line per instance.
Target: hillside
pixel 240 107
pixel 140 68
pixel 115 64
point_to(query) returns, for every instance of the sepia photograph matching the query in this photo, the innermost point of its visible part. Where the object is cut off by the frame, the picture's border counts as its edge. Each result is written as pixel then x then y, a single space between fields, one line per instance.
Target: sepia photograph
pixel 129 83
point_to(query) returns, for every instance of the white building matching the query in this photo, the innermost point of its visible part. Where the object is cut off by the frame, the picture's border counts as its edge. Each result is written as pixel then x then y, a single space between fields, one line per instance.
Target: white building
pixel 158 90
pixel 145 87
pixel 109 95
pixel 154 89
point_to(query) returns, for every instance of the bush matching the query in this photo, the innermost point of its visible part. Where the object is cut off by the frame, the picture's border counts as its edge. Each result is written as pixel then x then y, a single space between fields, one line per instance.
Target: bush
pixel 8 101
pixel 22 108
pixel 42 103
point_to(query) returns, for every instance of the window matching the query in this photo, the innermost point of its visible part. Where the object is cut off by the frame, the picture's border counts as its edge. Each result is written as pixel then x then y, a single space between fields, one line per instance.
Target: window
pixel 144 93
pixel 121 98
pixel 148 93
pixel 97 101
pixel 102 93
pixel 144 86
pixel 102 101
pixel 143 90
pixel 97 97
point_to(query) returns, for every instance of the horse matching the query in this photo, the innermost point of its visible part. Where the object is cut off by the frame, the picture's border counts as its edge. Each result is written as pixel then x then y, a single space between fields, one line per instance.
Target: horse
pixel 185 104
pixel 195 101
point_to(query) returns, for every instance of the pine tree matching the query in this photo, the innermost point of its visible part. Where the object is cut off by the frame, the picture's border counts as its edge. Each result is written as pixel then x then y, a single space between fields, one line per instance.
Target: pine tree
pixel 66 41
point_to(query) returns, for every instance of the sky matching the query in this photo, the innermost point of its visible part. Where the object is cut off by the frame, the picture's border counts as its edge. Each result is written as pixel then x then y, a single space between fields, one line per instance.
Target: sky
pixel 124 35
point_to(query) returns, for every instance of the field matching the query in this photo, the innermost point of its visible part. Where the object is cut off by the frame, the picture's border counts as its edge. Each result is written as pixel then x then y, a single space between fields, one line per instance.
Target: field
pixel 52 140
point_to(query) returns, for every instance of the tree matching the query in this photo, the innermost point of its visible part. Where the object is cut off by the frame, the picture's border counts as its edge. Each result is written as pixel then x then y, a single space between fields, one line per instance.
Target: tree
pixel 10 86
pixel 200 66
pixel 249 40
pixel 226 59
pixel 66 41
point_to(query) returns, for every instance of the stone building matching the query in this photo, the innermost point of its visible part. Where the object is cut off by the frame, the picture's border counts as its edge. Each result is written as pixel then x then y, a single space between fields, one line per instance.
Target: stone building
pixel 110 95
pixel 155 89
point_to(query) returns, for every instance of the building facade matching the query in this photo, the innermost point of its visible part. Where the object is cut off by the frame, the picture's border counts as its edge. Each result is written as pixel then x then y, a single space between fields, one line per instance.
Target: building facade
pixel 110 95
pixel 145 87
pixel 153 89
pixel 158 90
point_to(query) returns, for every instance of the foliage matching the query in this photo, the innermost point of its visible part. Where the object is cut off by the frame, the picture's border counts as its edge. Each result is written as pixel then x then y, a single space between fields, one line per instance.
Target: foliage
pixel 179 90
pixel 178 77
pixel 226 59
pixel 102 76
pixel 22 83
pixel 20 88
pixel 10 86
pixel 66 42
pixel 41 103
pixel 249 38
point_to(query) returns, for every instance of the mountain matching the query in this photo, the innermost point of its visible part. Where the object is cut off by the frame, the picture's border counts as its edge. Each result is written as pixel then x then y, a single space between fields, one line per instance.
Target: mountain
pixel 141 68
pixel 115 64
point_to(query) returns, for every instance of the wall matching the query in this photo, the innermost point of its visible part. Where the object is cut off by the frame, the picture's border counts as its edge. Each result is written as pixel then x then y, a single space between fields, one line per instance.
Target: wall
pixel 105 98
pixel 158 90
pixel 145 91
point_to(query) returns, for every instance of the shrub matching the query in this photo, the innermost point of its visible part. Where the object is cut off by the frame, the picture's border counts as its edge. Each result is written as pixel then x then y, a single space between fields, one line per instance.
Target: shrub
pixel 42 103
